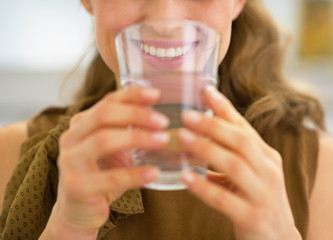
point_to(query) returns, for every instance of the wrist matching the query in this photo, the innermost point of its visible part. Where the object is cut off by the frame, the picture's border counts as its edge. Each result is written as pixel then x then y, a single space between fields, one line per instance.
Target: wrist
pixel 59 228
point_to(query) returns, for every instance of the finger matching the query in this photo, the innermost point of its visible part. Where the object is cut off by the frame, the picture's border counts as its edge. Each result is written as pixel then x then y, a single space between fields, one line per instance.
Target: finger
pixel 217 197
pixel 221 179
pixel 245 142
pixel 224 161
pixel 116 160
pixel 115 182
pixel 103 111
pixel 231 136
pixel 134 95
pixel 121 115
pixel 115 115
pixel 223 108
pixel 83 157
pixel 112 183
pixel 224 132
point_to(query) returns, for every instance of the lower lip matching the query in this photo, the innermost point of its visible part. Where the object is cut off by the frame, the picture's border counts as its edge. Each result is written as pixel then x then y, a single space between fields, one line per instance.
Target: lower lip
pixel 164 64
pixel 167 63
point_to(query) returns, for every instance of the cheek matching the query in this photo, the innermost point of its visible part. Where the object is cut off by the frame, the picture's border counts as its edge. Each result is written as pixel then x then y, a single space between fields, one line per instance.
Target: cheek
pixel 106 32
pixel 223 27
pixel 108 23
pixel 220 19
pixel 225 43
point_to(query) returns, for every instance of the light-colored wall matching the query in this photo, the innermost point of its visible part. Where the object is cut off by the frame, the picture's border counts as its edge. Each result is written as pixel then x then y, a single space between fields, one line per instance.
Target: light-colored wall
pixel 41 42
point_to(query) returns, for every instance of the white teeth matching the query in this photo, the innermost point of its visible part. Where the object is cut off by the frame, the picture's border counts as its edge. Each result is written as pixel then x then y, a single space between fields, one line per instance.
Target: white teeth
pixel 170 52
pixel 179 51
pixel 160 52
pixel 147 48
pixel 152 51
pixel 163 52
pixel 186 49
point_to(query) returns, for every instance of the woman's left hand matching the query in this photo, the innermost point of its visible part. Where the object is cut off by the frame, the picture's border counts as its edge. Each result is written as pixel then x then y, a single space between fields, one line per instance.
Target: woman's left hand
pixel 259 208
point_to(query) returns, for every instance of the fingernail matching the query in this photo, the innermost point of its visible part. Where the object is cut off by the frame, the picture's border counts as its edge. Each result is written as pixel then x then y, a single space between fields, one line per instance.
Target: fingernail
pixel 214 93
pixel 192 117
pixel 186 135
pixel 150 93
pixel 160 137
pixel 159 120
pixel 188 177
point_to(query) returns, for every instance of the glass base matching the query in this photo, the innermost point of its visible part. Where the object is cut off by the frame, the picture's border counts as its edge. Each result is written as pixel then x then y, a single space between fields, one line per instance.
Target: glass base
pixel 168 180
pixel 171 164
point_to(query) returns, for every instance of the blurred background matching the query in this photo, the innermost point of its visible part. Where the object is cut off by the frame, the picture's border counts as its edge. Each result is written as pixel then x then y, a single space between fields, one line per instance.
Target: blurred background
pixel 42 41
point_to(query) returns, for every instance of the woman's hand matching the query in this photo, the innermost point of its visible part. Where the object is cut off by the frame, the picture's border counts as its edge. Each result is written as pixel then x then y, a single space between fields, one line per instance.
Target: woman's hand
pixel 257 204
pixel 94 167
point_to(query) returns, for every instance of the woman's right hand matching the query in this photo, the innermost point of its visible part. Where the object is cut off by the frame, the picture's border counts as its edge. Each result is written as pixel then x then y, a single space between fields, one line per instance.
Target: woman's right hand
pixel 92 174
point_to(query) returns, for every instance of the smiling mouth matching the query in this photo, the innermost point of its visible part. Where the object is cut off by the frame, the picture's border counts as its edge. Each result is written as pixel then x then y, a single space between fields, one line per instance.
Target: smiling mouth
pixel 166 50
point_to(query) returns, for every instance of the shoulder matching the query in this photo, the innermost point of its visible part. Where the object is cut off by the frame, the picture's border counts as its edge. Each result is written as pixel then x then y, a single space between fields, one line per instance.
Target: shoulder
pixel 12 136
pixel 321 210
pixel 11 139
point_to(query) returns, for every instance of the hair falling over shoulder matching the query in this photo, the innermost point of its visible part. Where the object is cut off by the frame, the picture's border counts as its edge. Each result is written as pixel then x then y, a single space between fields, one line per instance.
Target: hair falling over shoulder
pixel 251 75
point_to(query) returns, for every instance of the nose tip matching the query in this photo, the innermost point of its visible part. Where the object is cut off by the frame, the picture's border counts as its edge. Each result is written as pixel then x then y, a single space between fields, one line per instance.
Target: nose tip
pixel 163 16
pixel 164 27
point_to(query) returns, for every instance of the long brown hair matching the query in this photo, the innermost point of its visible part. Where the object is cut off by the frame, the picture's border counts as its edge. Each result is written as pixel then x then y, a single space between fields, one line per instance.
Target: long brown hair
pixel 251 75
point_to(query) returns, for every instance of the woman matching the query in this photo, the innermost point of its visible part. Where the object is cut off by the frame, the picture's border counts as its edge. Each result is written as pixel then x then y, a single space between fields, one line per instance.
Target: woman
pixel 276 168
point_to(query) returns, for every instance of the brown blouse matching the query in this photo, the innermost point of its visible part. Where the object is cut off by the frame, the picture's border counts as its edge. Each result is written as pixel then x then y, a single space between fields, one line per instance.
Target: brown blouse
pixel 146 214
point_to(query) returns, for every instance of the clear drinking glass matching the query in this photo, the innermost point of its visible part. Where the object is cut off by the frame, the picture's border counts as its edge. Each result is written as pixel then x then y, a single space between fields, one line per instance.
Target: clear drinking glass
pixel 179 57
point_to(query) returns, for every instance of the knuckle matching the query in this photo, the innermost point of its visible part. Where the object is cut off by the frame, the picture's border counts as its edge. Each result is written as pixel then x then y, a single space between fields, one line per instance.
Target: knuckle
pixel 234 166
pixel 204 147
pixel 276 156
pixel 275 177
pixel 64 139
pixel 66 161
pixel 101 140
pixel 120 181
pixel 116 181
pixel 133 178
pixel 140 138
pixel 263 195
pixel 210 125
pixel 139 114
pixel 217 199
pixel 63 159
pixel 75 119
pixel 201 146
pixel 99 115
pixel 242 139
pixel 109 98
pixel 74 186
